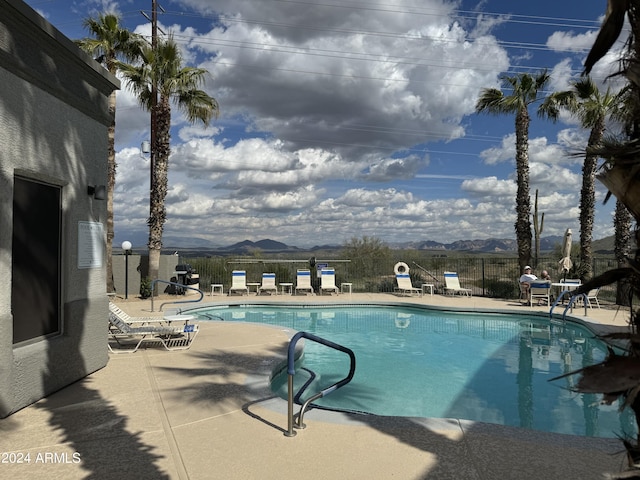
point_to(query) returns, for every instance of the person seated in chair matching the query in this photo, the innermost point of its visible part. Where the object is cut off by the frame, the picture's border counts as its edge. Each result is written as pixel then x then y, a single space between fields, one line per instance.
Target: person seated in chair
pixel 525 282
pixel 544 275
pixel 527 276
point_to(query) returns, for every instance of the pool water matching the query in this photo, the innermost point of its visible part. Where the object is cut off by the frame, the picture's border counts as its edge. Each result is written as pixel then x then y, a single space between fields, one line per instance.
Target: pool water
pixel 428 363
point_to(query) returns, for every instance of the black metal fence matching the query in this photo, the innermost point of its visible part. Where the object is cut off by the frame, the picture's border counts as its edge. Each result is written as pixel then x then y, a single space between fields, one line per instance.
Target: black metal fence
pixel 495 276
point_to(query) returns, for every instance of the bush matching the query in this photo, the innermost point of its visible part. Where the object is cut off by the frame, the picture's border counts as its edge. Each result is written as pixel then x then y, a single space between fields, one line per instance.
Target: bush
pixel 145 287
pixel 501 289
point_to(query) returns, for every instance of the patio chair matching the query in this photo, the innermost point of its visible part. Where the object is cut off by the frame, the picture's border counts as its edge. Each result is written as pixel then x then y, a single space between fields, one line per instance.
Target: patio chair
pixel 134 334
pixel 405 286
pixel 524 292
pixel 303 281
pixel 268 283
pixel 570 283
pixel 328 280
pixel 592 296
pixel 452 285
pixel 239 282
pixel 540 291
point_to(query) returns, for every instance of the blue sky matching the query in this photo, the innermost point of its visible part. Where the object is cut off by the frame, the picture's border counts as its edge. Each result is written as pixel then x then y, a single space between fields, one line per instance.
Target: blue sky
pixel 352 118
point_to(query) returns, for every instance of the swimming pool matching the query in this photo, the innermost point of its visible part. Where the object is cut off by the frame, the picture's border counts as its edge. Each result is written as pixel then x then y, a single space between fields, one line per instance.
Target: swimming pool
pixel 431 363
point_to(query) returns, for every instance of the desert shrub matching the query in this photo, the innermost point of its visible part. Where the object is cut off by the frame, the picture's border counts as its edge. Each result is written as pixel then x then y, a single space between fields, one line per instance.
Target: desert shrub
pixel 501 289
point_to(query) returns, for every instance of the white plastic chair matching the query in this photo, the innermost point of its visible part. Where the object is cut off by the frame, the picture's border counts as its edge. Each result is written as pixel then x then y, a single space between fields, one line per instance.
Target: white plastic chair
pixel 540 291
pixel 592 296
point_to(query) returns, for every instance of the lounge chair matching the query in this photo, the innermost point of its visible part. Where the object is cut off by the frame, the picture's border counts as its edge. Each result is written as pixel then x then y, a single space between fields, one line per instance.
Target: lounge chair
pixel 303 281
pixel 239 282
pixel 328 280
pixel 540 291
pixel 125 317
pixel 149 330
pixel 405 286
pixel 452 285
pixel 268 283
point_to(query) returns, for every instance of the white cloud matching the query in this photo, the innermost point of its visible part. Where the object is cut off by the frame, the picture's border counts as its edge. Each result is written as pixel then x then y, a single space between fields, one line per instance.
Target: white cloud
pixel 325 121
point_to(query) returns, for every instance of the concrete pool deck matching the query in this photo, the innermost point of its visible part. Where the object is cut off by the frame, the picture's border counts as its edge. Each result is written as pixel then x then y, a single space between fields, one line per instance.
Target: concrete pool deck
pixel 207 413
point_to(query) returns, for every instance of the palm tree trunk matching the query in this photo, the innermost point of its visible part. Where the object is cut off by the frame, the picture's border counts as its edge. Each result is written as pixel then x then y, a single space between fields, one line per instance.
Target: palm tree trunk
pixel 622 224
pixel 523 202
pixel 111 183
pixel 588 202
pixel 158 212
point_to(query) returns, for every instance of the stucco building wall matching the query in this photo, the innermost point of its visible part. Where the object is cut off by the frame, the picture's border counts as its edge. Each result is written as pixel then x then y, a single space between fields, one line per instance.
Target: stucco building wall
pixel 53 128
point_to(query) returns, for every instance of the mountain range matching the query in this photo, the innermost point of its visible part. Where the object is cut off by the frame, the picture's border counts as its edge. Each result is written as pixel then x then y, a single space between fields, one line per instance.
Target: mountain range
pixel 492 245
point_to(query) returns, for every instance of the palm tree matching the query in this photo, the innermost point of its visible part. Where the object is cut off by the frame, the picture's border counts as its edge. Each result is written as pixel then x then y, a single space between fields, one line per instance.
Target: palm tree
pixel 176 84
pixel 110 43
pixel 585 101
pixel 525 89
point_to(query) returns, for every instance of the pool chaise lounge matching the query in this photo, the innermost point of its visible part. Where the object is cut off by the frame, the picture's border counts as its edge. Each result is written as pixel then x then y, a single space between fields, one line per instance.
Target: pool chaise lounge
pixel 405 286
pixel 452 285
pixel 303 281
pixel 328 281
pixel 239 282
pixel 268 284
pixel 132 334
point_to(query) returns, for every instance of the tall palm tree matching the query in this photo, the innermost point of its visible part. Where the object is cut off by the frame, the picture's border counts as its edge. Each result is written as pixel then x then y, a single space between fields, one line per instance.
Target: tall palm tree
pixel 110 43
pixel 178 85
pixel 524 90
pixel 585 101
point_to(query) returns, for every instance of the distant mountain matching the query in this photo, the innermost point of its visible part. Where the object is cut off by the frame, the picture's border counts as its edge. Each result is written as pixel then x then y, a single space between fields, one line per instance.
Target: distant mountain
pixel 266 244
pixel 199 246
pixel 491 245
pixel 176 242
pixel 604 245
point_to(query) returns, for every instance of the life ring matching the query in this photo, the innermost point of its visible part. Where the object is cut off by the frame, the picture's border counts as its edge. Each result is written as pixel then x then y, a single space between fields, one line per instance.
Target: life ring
pixel 400 267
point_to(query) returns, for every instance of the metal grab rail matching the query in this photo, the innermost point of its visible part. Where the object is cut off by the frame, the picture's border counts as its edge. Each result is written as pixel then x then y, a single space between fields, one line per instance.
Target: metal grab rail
pixel 572 299
pixel 180 285
pixel 291 371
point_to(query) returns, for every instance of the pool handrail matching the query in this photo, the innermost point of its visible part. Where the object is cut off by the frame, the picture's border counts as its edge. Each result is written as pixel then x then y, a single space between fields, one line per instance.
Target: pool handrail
pixel 291 371
pixel 572 299
pixel 177 285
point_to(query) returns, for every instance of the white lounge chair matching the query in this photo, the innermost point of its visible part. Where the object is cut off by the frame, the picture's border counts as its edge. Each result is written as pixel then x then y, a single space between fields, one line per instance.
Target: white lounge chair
pixel 540 291
pixel 328 280
pixel 125 317
pixel 268 283
pixel 452 285
pixel 239 282
pixel 303 281
pixel 132 334
pixel 405 286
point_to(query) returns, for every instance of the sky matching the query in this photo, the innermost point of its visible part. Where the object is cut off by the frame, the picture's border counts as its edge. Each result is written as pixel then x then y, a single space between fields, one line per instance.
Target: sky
pixel 354 118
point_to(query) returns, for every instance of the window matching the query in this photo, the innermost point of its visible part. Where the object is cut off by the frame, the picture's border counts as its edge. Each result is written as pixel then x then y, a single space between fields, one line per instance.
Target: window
pixel 35 272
